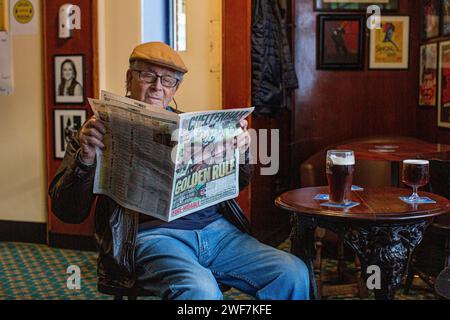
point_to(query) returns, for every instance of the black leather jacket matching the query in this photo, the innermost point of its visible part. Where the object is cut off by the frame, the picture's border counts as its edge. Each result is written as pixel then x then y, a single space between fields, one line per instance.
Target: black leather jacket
pixel 72 197
pixel 273 70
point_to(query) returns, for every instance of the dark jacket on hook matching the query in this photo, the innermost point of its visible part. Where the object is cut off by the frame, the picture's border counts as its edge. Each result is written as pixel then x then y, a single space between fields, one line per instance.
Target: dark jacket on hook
pixel 272 65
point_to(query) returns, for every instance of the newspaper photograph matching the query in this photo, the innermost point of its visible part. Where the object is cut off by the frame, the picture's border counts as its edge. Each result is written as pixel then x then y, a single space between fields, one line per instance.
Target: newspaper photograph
pixel 164 164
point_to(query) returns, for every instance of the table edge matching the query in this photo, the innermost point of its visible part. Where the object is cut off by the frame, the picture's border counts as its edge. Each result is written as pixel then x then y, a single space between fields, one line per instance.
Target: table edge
pixel 375 218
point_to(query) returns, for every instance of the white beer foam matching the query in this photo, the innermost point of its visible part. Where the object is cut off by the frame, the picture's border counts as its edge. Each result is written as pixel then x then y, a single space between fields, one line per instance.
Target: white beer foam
pixel 341 161
pixel 418 162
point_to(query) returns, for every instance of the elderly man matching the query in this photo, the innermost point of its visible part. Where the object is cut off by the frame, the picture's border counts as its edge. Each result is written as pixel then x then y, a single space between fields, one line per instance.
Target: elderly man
pixel 183 259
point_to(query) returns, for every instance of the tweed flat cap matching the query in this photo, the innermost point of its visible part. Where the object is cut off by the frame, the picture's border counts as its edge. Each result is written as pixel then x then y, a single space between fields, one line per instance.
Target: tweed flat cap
pixel 160 54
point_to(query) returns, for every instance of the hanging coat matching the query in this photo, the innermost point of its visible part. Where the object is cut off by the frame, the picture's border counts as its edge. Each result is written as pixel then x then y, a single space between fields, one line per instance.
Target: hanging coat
pixel 273 70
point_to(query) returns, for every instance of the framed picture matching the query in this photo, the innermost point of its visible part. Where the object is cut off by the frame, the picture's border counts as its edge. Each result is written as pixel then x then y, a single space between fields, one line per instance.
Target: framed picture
pixel 389 46
pixel 354 5
pixel 69 81
pixel 341 42
pixel 430 16
pixel 445 18
pixel 444 85
pixel 67 122
pixel 428 75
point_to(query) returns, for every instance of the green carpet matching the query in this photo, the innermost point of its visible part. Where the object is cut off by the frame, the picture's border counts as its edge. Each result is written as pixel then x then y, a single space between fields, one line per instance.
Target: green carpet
pixel 38 272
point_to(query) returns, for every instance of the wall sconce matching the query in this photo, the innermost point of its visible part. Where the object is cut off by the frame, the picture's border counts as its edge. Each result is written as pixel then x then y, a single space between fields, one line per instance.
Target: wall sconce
pixel 69 19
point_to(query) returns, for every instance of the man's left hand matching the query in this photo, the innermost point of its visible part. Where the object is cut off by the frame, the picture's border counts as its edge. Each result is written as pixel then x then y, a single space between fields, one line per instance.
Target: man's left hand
pixel 243 140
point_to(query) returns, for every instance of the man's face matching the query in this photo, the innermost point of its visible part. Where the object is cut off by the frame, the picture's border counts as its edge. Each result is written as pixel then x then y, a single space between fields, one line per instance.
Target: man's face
pixel 152 93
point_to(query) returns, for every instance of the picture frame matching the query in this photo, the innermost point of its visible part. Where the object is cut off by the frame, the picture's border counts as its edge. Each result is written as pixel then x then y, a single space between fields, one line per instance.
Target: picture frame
pixel 341 42
pixel 428 75
pixel 444 85
pixel 67 123
pixel 389 46
pixel 430 16
pixel 445 18
pixel 69 79
pixel 355 5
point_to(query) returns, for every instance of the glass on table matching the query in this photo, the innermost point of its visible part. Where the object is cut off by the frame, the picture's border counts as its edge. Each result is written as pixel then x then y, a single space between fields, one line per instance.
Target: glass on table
pixel 340 167
pixel 416 174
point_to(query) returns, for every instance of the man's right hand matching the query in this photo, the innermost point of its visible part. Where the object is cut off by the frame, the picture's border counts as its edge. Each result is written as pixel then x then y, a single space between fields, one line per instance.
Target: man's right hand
pixel 91 136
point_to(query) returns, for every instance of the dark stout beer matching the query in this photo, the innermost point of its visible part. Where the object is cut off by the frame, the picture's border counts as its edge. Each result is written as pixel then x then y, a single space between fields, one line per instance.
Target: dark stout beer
pixel 340 169
pixel 416 173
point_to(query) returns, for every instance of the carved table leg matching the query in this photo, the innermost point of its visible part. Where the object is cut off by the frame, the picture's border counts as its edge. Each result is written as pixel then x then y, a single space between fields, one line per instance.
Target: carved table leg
pixel 362 288
pixel 319 234
pixel 388 247
pixel 302 239
pixel 340 257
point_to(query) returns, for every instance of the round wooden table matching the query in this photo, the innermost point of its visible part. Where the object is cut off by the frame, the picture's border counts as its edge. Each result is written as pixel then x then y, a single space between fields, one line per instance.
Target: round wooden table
pixel 395 151
pixel 382 230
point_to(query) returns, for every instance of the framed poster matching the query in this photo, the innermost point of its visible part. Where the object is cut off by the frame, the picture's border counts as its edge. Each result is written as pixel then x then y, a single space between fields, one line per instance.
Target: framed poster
pixel 389 46
pixel 430 16
pixel 341 42
pixel 428 75
pixel 67 123
pixel 69 81
pixel 445 18
pixel 444 85
pixel 354 5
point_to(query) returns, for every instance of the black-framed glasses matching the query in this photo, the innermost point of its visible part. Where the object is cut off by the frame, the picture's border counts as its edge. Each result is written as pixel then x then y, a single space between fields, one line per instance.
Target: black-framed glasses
pixel 151 77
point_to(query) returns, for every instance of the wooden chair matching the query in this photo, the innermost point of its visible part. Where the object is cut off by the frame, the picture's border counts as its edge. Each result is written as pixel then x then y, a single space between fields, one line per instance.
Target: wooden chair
pixel 119 293
pixel 433 254
pixel 134 293
pixel 328 244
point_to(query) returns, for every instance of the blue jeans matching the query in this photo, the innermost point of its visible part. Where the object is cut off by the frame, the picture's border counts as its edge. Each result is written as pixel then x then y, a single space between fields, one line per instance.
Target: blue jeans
pixel 187 264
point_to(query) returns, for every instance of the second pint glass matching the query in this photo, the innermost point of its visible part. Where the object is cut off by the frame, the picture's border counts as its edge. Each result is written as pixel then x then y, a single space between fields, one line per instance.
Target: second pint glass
pixel 340 169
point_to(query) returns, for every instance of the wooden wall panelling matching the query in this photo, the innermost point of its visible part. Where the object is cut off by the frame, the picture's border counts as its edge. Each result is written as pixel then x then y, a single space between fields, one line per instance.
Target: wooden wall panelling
pixel 84 42
pixel 269 224
pixel 331 106
pixel 236 79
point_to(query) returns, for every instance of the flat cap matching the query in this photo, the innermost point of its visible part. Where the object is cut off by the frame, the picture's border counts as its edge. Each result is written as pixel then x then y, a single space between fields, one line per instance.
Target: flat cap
pixel 160 54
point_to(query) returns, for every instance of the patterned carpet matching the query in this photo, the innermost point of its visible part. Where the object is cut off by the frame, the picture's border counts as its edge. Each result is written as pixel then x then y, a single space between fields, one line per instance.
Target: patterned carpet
pixel 38 272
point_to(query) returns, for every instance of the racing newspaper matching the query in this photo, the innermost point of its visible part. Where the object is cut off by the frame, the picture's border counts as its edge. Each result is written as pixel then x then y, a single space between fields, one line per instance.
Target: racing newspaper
pixel 136 167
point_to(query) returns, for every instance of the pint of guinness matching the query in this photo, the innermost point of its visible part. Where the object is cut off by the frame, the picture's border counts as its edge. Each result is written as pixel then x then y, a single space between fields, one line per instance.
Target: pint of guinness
pixel 340 169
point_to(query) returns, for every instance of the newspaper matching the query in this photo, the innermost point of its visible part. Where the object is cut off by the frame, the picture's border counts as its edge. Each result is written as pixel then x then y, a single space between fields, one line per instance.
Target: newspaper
pixel 164 164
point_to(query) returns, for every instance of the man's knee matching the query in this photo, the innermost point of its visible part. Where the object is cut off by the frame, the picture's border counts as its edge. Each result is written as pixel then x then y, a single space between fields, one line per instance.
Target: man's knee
pixel 290 280
pixel 198 288
pixel 295 272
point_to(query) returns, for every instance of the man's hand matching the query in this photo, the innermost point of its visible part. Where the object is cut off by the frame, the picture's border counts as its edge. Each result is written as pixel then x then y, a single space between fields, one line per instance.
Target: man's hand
pixel 243 140
pixel 91 136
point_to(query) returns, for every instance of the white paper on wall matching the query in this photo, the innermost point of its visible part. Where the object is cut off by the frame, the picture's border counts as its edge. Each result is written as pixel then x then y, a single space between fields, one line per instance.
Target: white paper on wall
pixel 23 17
pixel 6 64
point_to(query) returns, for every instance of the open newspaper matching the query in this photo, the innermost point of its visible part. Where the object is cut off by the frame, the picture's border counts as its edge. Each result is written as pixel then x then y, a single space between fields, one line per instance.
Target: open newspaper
pixel 164 164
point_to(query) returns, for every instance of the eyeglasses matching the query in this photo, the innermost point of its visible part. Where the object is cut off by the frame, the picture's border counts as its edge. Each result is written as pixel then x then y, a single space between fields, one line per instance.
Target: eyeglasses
pixel 151 77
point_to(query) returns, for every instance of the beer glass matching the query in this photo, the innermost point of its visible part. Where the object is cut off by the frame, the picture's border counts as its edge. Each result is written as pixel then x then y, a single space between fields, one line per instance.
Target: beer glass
pixel 416 174
pixel 340 168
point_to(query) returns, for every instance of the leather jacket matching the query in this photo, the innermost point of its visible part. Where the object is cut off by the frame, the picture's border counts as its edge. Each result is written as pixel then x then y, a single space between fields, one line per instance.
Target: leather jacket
pixel 71 192
pixel 273 69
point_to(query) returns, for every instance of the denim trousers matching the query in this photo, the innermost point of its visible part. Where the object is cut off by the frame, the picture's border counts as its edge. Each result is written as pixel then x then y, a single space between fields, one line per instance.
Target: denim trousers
pixel 188 264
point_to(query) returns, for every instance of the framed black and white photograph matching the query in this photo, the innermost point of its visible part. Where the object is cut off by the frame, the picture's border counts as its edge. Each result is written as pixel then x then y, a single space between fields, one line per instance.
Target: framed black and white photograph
pixel 67 123
pixel 69 79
